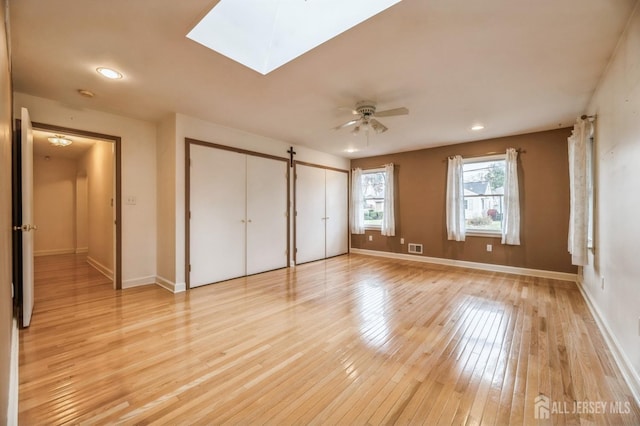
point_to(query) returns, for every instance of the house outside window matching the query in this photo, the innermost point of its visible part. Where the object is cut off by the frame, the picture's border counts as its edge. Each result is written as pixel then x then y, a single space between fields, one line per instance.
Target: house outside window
pixel 483 180
pixel 373 187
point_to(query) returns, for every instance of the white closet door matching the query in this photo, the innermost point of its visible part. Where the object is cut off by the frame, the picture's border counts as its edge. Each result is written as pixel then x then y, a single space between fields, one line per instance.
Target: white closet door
pixel 310 218
pixel 266 214
pixel 337 202
pixel 218 209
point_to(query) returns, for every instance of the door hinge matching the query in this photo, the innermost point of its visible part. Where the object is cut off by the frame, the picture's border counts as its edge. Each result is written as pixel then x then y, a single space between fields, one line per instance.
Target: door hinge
pixel 189 268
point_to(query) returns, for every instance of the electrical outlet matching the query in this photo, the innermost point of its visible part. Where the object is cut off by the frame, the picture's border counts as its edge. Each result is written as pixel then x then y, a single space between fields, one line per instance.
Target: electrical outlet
pixel 489 247
pixel 370 237
pixel 401 240
pixel 131 200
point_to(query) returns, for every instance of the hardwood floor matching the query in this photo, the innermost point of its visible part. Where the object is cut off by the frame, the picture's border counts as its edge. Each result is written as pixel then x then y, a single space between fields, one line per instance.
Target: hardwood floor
pixel 349 340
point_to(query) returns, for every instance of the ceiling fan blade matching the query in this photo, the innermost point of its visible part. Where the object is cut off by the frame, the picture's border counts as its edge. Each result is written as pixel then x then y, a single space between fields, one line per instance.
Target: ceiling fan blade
pixel 391 112
pixel 377 126
pixel 347 124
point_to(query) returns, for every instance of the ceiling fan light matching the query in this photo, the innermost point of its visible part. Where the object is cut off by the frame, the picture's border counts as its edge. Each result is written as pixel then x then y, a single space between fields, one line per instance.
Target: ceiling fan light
pixel 59 140
pixel 355 130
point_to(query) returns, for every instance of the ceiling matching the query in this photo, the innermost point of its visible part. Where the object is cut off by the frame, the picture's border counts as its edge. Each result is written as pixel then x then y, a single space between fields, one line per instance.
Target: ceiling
pixel 42 147
pixel 515 67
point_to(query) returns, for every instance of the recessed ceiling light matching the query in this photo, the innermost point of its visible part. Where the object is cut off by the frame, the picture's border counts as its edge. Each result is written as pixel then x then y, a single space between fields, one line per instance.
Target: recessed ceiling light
pixel 477 127
pixel 350 150
pixel 59 140
pixel 109 73
pixel 263 35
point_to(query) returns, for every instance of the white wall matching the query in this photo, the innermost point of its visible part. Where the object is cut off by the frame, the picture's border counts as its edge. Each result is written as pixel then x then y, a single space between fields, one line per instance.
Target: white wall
pixel 54 205
pixel 98 165
pixel 166 178
pixel 138 176
pixel 617 221
pixel 82 214
pixel 190 127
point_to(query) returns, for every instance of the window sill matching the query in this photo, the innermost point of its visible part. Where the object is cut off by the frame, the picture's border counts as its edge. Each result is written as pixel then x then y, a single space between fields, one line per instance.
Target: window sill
pixel 483 234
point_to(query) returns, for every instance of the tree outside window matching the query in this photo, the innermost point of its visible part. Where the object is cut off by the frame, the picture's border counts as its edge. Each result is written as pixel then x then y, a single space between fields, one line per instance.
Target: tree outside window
pixel 484 194
pixel 373 186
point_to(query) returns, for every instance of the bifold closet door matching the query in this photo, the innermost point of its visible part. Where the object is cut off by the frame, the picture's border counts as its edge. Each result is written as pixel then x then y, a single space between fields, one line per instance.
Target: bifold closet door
pixel 337 213
pixel 217 204
pixel 310 213
pixel 266 214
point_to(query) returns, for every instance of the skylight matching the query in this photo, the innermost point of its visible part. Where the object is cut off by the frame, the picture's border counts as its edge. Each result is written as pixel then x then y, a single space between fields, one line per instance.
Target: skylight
pixel 266 34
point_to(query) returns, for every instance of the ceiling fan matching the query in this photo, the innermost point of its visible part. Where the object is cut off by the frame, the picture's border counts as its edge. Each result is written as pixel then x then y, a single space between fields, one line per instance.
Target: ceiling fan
pixel 366 110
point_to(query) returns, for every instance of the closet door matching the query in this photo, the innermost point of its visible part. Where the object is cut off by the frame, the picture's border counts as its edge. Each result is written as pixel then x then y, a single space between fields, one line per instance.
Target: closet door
pixel 266 214
pixel 310 213
pixel 337 212
pixel 217 204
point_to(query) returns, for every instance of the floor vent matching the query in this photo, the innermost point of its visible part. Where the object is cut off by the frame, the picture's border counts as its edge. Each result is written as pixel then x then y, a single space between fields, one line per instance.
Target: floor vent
pixel 415 248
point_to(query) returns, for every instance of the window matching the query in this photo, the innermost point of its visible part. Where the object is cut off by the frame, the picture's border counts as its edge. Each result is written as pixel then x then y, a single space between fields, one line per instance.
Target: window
pixel 483 180
pixel 373 187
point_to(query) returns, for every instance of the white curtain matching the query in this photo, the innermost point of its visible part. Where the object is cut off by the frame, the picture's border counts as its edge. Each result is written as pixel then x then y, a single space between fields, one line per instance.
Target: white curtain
pixel 357 202
pixel 455 200
pixel 578 190
pixel 511 213
pixel 388 215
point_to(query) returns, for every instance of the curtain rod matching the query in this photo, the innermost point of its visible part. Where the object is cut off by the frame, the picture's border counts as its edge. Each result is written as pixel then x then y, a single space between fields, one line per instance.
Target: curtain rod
pixel 378 167
pixel 519 151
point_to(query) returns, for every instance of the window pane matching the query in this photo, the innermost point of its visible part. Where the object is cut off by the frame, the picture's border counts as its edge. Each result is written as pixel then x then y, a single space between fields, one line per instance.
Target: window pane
pixel 483 195
pixel 373 185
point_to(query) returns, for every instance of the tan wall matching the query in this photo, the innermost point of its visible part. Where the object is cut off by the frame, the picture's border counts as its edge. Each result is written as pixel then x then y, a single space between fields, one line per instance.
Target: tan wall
pixel 6 308
pixel 97 163
pixel 420 208
pixel 54 182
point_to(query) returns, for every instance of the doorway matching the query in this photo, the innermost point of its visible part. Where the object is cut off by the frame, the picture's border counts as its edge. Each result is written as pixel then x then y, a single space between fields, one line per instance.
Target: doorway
pixel 72 222
pixel 97 189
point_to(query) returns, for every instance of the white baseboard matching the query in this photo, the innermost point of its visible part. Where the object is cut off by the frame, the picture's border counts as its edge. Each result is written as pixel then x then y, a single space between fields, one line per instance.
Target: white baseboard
pixel 53 252
pixel 12 409
pixel 563 276
pixel 100 267
pixel 629 374
pixel 138 282
pixel 170 285
pixel 80 250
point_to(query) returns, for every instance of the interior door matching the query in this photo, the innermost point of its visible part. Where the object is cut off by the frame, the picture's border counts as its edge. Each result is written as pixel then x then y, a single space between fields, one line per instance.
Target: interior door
pixel 310 213
pixel 266 214
pixel 27 217
pixel 218 213
pixel 337 209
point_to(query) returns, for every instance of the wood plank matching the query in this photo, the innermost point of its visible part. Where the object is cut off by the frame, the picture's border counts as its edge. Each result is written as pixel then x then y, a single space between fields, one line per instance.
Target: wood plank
pixel 348 340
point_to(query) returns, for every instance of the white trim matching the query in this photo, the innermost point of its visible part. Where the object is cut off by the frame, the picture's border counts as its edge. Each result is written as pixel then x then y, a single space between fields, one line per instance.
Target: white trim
pixel 492 157
pixel 138 282
pixel 12 409
pixel 563 276
pixel 630 375
pixel 170 285
pixel 100 267
pixel 81 250
pixel 53 252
